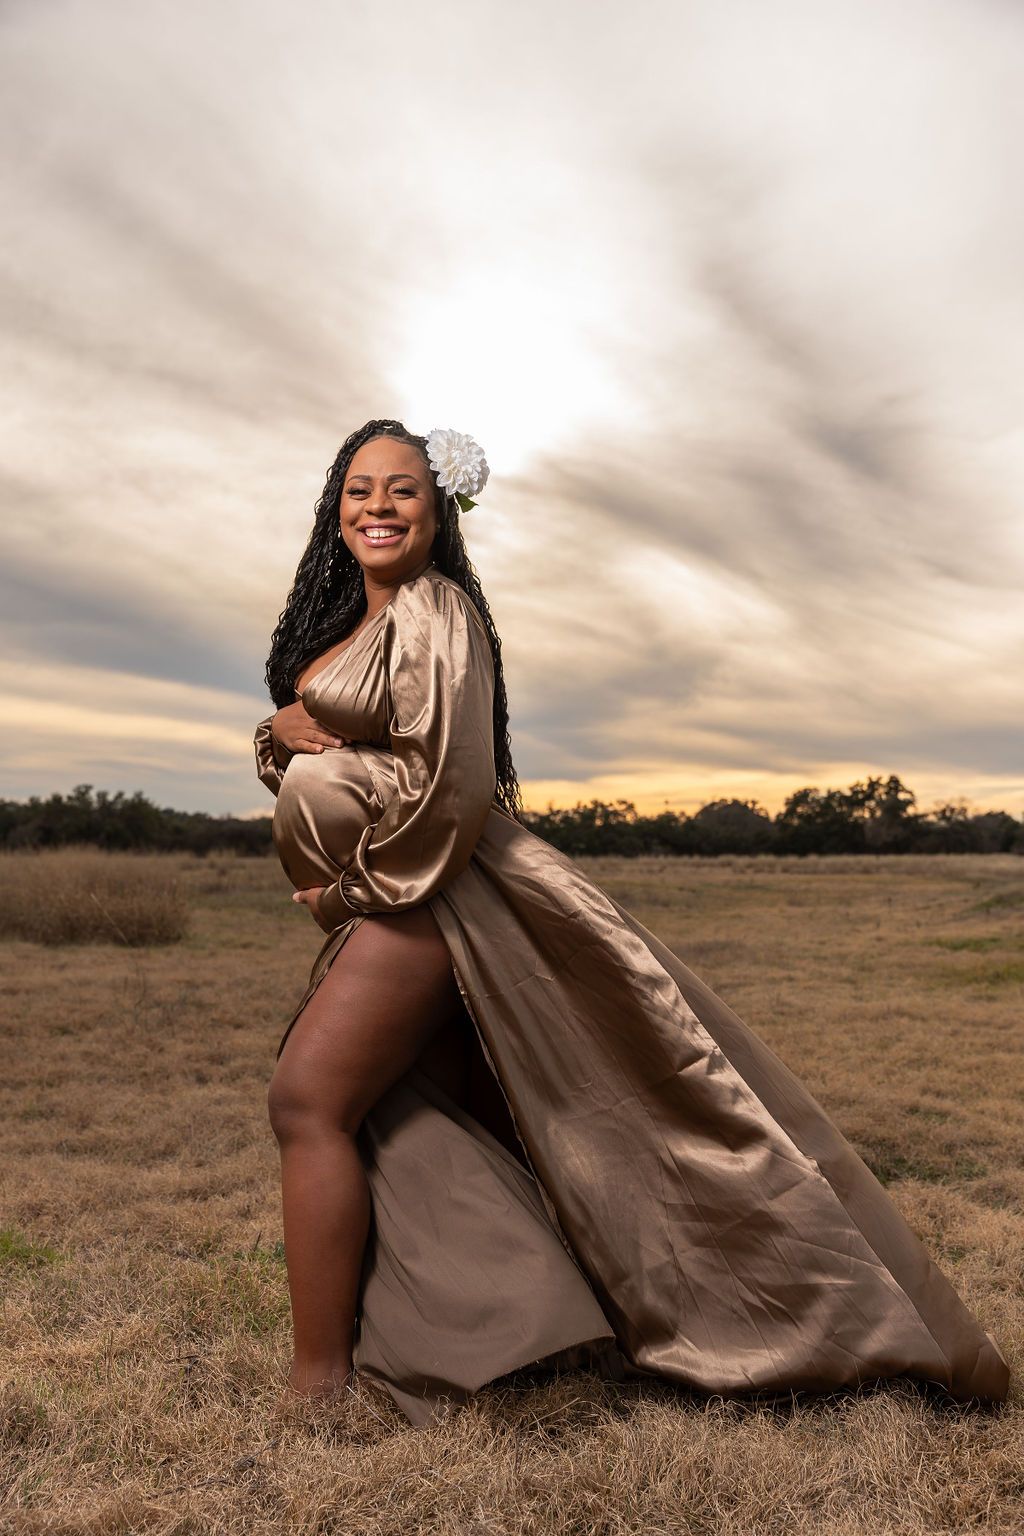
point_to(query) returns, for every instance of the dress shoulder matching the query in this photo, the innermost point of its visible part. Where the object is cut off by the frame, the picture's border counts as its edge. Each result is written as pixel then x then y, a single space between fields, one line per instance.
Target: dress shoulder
pixel 436 601
pixel 433 591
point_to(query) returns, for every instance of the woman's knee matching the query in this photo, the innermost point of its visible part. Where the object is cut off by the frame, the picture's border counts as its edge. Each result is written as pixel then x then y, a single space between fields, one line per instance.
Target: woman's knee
pixel 299 1107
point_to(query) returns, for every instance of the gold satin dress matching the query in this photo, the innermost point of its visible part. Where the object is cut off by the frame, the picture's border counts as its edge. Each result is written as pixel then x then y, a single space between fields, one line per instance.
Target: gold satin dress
pixel 680 1206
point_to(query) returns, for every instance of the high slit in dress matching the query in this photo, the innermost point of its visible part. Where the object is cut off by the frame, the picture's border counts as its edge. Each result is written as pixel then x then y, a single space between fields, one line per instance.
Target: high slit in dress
pixel 678 1205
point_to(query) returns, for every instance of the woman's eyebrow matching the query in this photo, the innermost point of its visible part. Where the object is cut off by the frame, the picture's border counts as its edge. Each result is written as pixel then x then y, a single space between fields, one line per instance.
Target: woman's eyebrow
pixel 405 474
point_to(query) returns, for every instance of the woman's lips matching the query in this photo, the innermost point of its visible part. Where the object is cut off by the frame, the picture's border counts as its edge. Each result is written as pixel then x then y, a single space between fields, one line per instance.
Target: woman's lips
pixel 391 536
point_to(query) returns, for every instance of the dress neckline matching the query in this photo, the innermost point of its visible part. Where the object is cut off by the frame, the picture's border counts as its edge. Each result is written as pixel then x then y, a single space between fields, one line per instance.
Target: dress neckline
pixel 330 665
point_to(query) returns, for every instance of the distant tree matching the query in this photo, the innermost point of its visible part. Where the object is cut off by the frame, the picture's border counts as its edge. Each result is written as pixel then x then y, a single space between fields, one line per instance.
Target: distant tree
pixel 592 828
pixel 732 826
pixel 891 824
pixel 948 829
pixel 812 822
pixel 670 832
pixel 997 832
pixel 875 815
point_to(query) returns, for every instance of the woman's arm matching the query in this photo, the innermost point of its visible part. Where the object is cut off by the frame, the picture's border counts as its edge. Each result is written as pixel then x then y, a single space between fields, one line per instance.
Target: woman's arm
pixel 441 683
pixel 304 733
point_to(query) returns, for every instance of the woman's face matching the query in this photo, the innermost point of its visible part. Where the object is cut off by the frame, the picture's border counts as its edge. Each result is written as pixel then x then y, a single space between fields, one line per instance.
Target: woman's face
pixel 388 511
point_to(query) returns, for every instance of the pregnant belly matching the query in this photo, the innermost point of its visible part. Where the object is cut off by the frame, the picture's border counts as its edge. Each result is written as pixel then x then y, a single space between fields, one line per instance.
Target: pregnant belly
pixel 325 801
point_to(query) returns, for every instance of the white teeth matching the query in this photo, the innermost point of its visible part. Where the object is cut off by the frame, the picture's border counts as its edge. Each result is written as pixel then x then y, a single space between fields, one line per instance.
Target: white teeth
pixel 382 533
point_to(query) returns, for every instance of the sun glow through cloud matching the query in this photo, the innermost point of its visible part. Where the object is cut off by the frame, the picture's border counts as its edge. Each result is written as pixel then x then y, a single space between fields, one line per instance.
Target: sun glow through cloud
pixel 516 350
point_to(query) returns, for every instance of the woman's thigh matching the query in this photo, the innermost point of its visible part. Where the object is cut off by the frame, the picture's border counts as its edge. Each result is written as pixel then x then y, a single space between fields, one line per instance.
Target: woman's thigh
pixel 390 989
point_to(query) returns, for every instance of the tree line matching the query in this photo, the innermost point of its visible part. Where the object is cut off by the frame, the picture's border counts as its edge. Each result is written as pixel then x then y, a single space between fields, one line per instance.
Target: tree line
pixel 878 815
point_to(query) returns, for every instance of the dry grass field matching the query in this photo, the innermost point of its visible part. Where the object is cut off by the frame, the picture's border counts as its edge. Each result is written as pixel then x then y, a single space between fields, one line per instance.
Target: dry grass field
pixel 145 1322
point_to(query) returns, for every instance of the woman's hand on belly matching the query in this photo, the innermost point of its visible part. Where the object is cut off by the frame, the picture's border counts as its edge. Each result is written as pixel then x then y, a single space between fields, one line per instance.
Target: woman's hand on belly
pixel 296 729
pixel 311 898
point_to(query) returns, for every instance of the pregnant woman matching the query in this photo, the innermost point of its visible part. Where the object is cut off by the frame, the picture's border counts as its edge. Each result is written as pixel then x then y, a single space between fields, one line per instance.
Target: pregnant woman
pixel 514 1127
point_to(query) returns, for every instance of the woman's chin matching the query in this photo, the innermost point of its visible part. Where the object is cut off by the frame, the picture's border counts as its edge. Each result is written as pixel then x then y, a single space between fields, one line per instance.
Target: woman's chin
pixel 386 565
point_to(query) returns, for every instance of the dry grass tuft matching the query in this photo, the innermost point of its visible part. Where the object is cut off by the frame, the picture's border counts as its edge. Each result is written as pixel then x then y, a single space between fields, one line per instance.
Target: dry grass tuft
pixel 81 895
pixel 144 1334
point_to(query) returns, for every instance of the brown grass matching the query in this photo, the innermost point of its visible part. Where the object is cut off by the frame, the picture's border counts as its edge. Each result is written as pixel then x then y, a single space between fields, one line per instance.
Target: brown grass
pixel 80 895
pixel 145 1324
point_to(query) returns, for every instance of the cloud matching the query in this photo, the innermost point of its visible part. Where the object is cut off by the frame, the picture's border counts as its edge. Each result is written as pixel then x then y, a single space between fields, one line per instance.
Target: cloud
pixel 732 301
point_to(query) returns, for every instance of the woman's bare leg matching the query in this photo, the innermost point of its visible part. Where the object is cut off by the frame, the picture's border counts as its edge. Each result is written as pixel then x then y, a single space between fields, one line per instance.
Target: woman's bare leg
pixel 390 990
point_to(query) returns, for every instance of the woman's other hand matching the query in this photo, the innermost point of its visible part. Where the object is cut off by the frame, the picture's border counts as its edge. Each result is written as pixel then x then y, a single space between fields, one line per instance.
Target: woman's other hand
pixel 295 729
pixel 311 898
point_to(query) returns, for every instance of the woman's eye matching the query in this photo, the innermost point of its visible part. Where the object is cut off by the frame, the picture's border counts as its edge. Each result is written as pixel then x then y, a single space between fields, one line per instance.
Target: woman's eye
pixel 359 490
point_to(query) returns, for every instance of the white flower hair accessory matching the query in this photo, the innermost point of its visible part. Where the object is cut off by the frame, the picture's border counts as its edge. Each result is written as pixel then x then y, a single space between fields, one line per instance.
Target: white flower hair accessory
pixel 459 464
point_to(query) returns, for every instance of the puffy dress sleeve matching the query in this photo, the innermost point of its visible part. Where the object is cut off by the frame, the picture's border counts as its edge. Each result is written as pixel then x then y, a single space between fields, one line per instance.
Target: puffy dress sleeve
pixel 272 757
pixel 440 680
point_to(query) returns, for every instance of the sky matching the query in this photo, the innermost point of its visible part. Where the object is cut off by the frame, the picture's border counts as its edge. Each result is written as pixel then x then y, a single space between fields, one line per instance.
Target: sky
pixel 731 296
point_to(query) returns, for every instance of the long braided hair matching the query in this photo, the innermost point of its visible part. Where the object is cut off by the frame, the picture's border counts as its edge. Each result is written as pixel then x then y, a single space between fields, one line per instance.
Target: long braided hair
pixel 328 596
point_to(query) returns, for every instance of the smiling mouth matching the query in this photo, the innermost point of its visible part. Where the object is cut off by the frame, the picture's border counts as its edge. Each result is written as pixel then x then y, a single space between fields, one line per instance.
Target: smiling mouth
pixel 383 533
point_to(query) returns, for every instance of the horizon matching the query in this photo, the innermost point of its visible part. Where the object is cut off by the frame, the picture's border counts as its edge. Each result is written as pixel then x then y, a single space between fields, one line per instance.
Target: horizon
pixel 916 808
